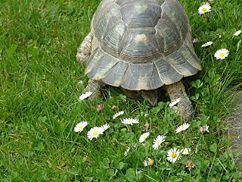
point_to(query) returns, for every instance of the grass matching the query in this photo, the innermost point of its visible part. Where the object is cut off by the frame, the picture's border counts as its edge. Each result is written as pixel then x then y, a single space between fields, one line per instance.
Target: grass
pixel 39 104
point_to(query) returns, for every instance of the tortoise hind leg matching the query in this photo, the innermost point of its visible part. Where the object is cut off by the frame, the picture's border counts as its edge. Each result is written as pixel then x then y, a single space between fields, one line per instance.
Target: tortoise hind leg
pixel 184 106
pixel 84 51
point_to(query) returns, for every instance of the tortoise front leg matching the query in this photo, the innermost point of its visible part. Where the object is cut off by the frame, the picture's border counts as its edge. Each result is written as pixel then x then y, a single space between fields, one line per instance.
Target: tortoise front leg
pixel 94 87
pixel 184 106
pixel 84 51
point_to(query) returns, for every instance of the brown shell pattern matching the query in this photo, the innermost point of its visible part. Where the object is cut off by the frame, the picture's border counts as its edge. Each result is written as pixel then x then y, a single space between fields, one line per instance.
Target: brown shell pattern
pixel 141 44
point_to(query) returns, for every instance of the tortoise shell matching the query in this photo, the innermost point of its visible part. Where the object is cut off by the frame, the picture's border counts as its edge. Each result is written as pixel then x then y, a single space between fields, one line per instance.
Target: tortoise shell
pixel 141 44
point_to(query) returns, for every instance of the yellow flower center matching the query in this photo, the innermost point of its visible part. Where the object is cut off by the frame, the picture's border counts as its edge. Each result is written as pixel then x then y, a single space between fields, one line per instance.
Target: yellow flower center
pixel 94 133
pixel 151 162
pixel 204 9
pixel 81 127
pixel 222 54
pixel 173 154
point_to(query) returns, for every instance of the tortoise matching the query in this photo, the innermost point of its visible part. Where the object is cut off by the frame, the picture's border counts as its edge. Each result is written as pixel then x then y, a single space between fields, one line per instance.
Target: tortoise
pixel 140 46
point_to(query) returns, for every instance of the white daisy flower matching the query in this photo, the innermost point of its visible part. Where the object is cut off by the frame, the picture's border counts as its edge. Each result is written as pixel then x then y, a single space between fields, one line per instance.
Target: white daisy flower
pixel 237 33
pixel 205 8
pixel 80 126
pixel 143 137
pixel 186 151
pixel 173 155
pixel 207 44
pixel 118 114
pixel 172 104
pixel 183 127
pixel 94 133
pixel 85 95
pixel 158 141
pixel 104 127
pixel 130 121
pixel 221 54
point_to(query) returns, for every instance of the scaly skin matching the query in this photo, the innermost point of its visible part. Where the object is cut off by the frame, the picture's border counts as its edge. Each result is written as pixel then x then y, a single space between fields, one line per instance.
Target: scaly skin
pixel 184 107
pixel 84 51
pixel 94 87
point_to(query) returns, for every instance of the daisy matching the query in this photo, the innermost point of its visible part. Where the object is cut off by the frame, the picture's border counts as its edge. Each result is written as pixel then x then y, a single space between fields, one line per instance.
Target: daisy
pixel 104 127
pixel 80 126
pixel 85 95
pixel 149 162
pixel 118 114
pixel 172 104
pixel 186 151
pixel 183 127
pixel 221 54
pixel 173 155
pixel 207 44
pixel 143 137
pixel 130 121
pixel 204 129
pixel 237 33
pixel 158 141
pixel 205 8
pixel 94 133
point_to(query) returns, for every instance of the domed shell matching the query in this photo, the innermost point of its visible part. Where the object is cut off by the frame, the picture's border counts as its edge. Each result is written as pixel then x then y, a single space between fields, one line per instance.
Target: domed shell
pixel 141 44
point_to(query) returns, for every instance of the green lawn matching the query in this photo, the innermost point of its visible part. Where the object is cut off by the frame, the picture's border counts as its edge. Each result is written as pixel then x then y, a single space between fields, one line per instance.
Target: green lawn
pixel 39 107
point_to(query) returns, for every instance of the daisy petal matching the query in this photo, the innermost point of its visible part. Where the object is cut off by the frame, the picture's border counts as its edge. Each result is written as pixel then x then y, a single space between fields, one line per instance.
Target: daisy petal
pixel 207 44
pixel 183 127
pixel 130 121
pixel 143 137
pixel 118 114
pixel 237 33
pixel 85 95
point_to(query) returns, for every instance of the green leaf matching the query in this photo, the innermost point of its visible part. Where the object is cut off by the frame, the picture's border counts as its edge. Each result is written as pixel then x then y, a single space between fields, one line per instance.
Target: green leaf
pixel 130 175
pixel 224 45
pixel 105 163
pixel 238 46
pixel 121 165
pixel 38 146
pixel 213 148
pixel 110 172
